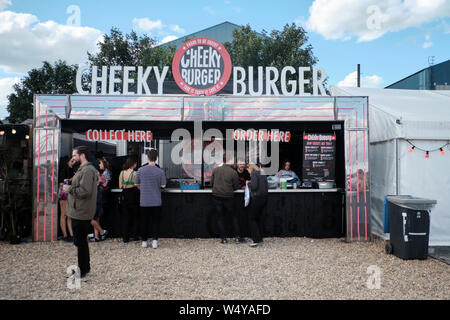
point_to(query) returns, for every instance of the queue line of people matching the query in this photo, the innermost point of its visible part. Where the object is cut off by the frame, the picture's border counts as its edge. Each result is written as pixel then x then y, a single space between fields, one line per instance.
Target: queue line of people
pixel 85 198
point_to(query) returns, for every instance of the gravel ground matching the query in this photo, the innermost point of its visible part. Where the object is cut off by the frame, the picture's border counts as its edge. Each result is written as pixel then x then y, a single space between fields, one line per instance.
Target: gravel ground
pixel 283 268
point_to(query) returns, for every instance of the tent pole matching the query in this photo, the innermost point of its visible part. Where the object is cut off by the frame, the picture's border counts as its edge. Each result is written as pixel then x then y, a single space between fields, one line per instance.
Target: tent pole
pixel 396 167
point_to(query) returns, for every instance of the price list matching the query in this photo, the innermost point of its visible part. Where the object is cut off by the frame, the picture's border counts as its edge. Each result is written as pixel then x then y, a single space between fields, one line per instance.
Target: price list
pixel 319 154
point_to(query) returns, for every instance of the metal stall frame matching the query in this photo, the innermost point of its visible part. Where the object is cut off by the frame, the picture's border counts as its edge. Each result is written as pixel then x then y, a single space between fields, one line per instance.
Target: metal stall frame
pixel 49 110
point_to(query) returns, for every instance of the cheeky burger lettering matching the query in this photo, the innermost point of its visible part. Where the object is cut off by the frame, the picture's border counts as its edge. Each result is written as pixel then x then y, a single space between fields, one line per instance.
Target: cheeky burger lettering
pixel 201 66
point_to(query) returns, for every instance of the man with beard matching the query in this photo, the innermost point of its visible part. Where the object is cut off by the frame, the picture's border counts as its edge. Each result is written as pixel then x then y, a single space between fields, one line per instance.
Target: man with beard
pixel 81 205
pixel 242 172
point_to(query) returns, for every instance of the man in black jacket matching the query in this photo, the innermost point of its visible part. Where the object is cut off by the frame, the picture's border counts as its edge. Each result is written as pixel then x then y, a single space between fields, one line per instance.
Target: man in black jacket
pixel 224 181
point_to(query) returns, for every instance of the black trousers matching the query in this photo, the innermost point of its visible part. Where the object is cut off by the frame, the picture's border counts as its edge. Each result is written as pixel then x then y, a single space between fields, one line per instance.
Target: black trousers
pixel 80 232
pixel 225 208
pixel 130 213
pixel 150 216
pixel 256 210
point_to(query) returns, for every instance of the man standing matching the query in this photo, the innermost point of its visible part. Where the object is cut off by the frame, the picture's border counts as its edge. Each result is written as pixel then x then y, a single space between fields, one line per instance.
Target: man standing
pixel 243 174
pixel 150 179
pixel 81 205
pixel 224 180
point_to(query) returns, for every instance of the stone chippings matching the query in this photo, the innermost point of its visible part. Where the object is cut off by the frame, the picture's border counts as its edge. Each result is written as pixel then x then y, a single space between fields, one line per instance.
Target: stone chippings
pixel 282 268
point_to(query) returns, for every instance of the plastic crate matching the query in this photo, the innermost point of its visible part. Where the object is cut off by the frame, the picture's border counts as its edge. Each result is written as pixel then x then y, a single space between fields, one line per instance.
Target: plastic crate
pixel 189 185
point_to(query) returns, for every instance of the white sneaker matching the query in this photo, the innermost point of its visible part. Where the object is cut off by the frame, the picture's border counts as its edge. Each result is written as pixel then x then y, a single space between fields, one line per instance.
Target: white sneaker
pixel 155 244
pixel 144 244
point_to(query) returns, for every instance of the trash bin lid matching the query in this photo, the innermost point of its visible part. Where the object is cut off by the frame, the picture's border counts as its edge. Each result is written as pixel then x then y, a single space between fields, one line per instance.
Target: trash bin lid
pixel 410 202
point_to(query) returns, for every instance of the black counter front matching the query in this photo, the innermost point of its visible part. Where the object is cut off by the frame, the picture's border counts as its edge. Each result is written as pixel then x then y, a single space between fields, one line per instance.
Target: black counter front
pixel 314 213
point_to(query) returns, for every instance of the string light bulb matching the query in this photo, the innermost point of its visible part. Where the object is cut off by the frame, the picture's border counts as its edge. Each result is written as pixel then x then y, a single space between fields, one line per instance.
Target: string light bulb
pixel 411 149
pixel 2 133
pixel 13 131
pixel 27 137
pixel 442 151
pixel 427 155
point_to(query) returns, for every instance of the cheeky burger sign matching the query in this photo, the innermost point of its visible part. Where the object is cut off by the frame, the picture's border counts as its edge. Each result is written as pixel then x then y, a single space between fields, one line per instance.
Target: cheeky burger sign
pixel 202 67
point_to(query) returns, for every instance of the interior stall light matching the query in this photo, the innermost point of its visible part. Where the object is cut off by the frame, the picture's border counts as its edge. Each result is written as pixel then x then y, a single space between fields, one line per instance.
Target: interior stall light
pixel 27 137
pixel 13 131
pixel 427 155
pixel 411 149
pixel 442 151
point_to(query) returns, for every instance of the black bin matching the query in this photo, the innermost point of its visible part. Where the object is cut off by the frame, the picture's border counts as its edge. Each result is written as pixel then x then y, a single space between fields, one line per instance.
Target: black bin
pixel 409 226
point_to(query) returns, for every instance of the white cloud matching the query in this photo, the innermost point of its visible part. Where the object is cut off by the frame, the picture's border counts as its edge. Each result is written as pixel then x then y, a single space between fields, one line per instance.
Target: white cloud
pixel 168 39
pixel 4 4
pixel 368 20
pixel 177 28
pixel 350 80
pixel 209 10
pixel 146 24
pixel 427 42
pixel 26 42
pixel 6 89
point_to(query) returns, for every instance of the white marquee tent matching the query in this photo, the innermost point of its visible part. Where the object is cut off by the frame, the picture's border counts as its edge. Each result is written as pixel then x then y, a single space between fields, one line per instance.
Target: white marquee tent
pixel 399 119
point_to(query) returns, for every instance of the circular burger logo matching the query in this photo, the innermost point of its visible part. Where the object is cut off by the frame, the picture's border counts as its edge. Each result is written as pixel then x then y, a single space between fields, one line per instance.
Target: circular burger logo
pixel 201 66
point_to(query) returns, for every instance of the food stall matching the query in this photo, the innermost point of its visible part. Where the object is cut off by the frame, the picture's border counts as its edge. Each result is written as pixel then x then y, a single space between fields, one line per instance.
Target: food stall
pixel 324 137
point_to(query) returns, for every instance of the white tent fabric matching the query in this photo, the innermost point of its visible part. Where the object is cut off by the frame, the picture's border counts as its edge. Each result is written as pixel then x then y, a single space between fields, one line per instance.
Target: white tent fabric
pixel 396 117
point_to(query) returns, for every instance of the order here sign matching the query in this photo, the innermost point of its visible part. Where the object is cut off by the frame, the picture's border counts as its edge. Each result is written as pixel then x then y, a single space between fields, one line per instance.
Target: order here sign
pixel 118 135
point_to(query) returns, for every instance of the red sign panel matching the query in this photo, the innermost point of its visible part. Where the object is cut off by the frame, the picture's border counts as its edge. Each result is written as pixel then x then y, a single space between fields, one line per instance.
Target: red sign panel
pixel 201 66
pixel 261 135
pixel 117 135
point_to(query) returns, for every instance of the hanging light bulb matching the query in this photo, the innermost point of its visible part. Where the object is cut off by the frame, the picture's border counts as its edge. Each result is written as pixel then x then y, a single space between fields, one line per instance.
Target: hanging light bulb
pixel 13 131
pixel 2 133
pixel 411 149
pixel 27 137
pixel 442 151
pixel 427 155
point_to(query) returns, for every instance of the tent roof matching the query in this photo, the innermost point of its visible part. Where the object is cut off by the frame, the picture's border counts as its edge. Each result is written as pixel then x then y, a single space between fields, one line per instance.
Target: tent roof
pixel 423 114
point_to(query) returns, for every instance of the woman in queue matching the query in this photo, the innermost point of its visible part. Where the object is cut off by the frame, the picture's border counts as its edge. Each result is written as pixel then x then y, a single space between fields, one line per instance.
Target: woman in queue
pixel 66 173
pixel 129 200
pixel 102 187
pixel 258 201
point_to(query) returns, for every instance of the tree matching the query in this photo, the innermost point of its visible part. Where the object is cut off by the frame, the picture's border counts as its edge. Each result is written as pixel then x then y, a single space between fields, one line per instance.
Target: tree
pixel 288 47
pixel 119 50
pixel 132 50
pixel 247 47
pixel 58 78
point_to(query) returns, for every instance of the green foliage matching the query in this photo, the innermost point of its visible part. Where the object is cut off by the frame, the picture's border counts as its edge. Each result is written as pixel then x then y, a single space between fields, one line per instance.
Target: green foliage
pixel 288 47
pixel 132 50
pixel 49 79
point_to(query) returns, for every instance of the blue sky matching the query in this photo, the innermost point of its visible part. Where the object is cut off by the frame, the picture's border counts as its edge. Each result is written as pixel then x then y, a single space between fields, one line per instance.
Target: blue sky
pixel 389 38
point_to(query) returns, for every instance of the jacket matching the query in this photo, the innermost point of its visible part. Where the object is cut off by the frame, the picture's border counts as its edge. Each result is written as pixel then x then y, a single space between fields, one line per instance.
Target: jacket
pixel 224 181
pixel 258 185
pixel 82 198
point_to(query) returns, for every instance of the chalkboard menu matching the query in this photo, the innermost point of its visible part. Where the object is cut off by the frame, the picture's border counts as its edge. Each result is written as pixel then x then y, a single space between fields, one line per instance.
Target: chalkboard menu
pixel 319 154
